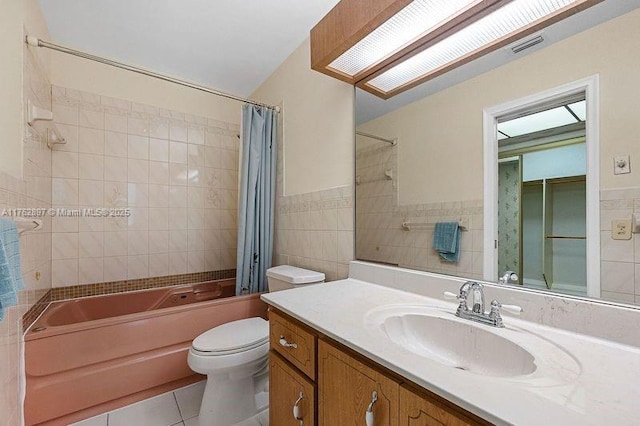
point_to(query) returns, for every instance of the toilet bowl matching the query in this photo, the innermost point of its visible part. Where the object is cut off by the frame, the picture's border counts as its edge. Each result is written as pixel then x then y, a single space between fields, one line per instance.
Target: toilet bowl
pixel 234 357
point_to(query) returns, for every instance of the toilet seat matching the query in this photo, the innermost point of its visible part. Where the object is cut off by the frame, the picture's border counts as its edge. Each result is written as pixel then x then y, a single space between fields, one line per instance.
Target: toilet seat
pixel 232 338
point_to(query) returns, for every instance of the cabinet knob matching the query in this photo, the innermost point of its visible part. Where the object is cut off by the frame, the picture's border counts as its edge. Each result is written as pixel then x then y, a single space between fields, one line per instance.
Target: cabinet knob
pixel 369 420
pixel 285 344
pixel 296 409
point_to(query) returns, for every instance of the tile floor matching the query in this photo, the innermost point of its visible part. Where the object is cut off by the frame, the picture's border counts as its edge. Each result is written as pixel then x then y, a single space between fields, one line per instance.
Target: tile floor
pixel 179 408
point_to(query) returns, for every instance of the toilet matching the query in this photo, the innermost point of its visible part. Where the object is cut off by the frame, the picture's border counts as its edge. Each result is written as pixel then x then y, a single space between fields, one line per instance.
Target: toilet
pixel 234 356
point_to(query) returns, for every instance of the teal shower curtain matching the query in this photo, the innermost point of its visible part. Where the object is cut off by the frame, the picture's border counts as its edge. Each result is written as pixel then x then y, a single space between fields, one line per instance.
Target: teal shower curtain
pixel 257 198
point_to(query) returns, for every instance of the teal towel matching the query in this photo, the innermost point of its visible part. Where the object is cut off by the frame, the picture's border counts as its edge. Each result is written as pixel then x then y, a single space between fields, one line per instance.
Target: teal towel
pixel 10 270
pixel 446 241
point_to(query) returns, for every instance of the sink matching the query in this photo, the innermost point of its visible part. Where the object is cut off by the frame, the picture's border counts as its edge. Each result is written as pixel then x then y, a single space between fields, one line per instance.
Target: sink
pixel 437 335
pixel 459 345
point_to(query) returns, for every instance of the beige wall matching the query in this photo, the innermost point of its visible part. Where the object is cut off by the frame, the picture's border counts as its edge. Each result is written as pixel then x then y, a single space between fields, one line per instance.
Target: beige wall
pixel 448 125
pixel 16 18
pixel 318 124
pixel 88 76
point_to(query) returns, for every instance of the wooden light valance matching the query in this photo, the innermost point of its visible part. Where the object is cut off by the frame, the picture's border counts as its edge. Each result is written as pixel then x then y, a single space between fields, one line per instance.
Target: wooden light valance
pixel 350 21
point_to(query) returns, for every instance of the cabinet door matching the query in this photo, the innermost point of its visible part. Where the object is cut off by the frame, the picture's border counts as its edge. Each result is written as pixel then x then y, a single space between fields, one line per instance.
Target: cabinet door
pixel 345 389
pixel 286 388
pixel 420 410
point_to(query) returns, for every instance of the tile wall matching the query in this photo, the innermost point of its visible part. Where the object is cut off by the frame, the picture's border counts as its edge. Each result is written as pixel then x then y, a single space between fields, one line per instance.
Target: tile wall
pixel 620 259
pixel 379 233
pixel 32 190
pixel 176 173
pixel 313 230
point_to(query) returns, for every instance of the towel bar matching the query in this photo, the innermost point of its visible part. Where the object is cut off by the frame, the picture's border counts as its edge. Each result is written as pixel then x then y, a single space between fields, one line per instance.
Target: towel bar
pixel 463 224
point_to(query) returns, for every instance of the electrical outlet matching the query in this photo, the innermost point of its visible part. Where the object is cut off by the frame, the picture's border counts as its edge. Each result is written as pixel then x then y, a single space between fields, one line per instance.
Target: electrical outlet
pixel 621 229
pixel 621 165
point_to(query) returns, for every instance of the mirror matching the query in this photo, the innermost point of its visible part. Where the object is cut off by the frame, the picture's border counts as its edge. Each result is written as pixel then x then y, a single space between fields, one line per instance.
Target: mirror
pixel 420 165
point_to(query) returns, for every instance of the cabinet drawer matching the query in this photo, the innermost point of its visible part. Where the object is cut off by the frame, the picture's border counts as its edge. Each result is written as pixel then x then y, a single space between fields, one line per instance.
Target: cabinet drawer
pixel 294 343
pixel 288 387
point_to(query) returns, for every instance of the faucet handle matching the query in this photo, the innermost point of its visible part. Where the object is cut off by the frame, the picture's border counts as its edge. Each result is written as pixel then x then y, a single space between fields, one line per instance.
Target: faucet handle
pixel 451 296
pixel 513 309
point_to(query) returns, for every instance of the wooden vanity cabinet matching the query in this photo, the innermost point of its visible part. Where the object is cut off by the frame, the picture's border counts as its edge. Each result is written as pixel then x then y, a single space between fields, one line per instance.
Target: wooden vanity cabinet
pixel 289 387
pixel 418 409
pixel 346 388
pixel 338 384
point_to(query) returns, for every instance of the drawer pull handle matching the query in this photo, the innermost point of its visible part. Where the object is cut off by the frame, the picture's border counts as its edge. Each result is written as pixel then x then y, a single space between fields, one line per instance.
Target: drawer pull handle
pixel 296 409
pixel 369 416
pixel 285 344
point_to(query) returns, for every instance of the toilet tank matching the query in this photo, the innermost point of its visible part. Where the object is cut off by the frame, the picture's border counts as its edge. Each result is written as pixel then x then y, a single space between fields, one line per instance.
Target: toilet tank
pixel 284 277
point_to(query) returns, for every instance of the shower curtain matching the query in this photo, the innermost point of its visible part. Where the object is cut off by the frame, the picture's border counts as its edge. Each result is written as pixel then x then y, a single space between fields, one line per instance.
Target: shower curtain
pixel 257 198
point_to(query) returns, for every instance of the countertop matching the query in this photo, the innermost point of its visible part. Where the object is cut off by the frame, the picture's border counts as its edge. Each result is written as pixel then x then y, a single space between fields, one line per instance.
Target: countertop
pixel 594 382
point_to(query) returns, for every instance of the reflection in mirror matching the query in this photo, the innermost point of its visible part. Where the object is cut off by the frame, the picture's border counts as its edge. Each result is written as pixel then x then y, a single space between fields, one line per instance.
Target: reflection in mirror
pixel 542 197
pixel 435 172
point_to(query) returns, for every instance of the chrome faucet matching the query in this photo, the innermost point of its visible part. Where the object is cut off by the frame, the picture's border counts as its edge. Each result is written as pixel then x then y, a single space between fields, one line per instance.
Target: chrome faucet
pixel 508 277
pixel 477 313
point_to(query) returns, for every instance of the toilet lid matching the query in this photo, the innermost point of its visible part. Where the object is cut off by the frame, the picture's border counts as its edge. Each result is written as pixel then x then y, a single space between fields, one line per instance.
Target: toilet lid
pixel 233 336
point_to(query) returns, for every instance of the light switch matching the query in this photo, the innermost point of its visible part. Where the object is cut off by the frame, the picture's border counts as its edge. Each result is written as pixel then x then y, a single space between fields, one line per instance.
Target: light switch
pixel 621 229
pixel 621 165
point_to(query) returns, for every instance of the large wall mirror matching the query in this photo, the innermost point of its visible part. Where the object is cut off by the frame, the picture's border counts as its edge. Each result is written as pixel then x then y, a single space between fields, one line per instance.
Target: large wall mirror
pixel 562 203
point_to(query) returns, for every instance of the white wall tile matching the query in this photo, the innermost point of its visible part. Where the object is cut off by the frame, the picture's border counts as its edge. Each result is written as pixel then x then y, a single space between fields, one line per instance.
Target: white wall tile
pixel 65 114
pixel 91 193
pixel 90 244
pixel 90 270
pixel 178 152
pixel 115 169
pixel 64 245
pixel 138 126
pixel 159 173
pixel 91 166
pixel 91 119
pixel 138 171
pixel 115 144
pixel 138 243
pixel 115 123
pixel 115 268
pixel 90 141
pixel 138 147
pixel 158 265
pixel 158 149
pixel 64 164
pixel 116 243
pixel 137 267
pixel 178 133
pixel 65 192
pixel 159 129
pixel 158 241
pixel 64 272
pixel 158 195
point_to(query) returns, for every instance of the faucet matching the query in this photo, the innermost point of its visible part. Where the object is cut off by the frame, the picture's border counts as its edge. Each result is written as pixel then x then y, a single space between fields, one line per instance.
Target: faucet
pixel 508 277
pixel 477 313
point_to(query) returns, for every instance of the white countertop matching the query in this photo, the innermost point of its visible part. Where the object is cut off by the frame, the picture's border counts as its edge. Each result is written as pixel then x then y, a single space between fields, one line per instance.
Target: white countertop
pixel 600 387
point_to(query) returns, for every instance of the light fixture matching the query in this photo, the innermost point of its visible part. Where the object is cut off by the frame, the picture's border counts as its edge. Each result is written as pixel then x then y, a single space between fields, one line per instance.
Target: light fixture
pixel 390 46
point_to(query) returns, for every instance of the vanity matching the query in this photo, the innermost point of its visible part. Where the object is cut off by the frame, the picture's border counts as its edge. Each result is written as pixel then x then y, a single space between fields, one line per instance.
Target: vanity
pixel 383 347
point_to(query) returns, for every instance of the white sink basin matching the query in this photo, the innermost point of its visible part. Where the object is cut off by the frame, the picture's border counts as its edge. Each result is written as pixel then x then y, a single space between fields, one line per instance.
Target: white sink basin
pixel 440 336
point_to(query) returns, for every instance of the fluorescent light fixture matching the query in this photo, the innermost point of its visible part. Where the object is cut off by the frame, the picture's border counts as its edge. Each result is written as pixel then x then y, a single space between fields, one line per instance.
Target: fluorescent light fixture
pixel 548 119
pixel 415 20
pixel 486 34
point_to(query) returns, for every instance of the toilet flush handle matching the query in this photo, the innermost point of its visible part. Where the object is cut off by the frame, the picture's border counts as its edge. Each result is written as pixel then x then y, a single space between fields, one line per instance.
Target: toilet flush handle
pixel 285 344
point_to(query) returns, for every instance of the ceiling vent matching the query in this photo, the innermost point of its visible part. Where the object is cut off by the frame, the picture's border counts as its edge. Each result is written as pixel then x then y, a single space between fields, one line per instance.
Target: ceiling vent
pixel 526 44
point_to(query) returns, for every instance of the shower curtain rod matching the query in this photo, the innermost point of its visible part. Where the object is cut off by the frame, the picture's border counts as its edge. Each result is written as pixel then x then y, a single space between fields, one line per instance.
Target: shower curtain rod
pixel 34 41
pixel 369 135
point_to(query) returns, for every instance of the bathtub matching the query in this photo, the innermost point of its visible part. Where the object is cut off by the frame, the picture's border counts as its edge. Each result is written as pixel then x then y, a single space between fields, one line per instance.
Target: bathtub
pixel 92 355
